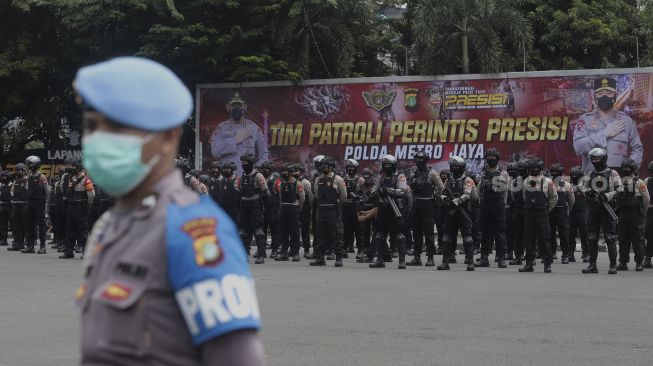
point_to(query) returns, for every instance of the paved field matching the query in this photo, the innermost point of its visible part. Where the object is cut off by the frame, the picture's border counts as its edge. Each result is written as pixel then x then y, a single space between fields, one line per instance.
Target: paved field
pixel 357 316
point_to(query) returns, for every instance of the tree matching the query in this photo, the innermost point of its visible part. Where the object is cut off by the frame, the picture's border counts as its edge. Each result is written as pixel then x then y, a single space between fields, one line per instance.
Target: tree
pixel 462 35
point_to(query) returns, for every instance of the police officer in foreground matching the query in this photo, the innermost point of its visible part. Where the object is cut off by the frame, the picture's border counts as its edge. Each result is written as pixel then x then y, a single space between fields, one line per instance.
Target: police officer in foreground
pixel 578 216
pixel 162 253
pixel 39 200
pixel 602 185
pixel 253 190
pixel 540 197
pixel 456 194
pixel 19 201
pixel 649 220
pixel 493 192
pixel 632 201
pixel 390 188
pixel 425 184
pixel 330 191
pixel 559 216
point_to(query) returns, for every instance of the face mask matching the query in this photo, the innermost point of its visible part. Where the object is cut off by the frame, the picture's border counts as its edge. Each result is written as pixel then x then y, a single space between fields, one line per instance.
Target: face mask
pixel 247 168
pixel 266 172
pixel 535 172
pixel 216 174
pixel 456 171
pixel 228 173
pixel 605 102
pixel 626 172
pixel 325 169
pixel 351 171
pixel 599 165
pixel 421 164
pixel 236 113
pixel 285 176
pixel 114 161
pixel 492 163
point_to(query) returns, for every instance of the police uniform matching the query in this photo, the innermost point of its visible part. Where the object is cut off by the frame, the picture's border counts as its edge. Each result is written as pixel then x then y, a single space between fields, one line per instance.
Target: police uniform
pixel 61 209
pixel 292 198
pixel 330 191
pixel 101 203
pixel 253 188
pixel 20 219
pixel 649 226
pixel 224 144
pixel 589 133
pixel 517 219
pixel 458 218
pixel 367 203
pixel 5 207
pixel 632 200
pixel 215 188
pixel 493 193
pixel 425 184
pixel 351 228
pixel 578 221
pixel 271 206
pixel 305 214
pixel 540 197
pixel 166 280
pixel 230 198
pixel 80 193
pixel 559 219
pixel 598 219
pixel 38 197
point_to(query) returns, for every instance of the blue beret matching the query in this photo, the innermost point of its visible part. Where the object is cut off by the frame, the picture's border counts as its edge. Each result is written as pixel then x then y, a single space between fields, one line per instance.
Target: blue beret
pixel 136 92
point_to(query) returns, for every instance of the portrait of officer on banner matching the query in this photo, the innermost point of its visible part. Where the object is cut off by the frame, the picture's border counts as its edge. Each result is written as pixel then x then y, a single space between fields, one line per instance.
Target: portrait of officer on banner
pixel 608 128
pixel 238 136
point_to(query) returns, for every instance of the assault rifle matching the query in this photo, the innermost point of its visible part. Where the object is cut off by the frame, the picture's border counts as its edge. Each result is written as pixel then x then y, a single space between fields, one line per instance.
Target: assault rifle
pixel 393 205
pixel 605 203
pixel 450 198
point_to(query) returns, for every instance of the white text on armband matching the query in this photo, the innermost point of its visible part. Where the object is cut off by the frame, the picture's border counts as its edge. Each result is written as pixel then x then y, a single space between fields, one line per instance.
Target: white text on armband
pixel 218 301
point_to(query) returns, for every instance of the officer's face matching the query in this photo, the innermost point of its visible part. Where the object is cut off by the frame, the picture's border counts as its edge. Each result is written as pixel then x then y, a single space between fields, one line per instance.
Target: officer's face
pixel 604 92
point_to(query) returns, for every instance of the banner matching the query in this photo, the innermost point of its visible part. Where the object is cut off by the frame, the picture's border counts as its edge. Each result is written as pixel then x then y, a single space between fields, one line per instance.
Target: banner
pixel 547 114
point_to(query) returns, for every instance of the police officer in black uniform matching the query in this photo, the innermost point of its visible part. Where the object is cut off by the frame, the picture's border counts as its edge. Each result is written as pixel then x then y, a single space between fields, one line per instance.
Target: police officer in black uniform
pixel 38 201
pixel 511 169
pixel 305 212
pixel 350 207
pixel 441 209
pixel 425 184
pixel 52 208
pixel 559 216
pixel 102 202
pixel 540 197
pixel 632 201
pixel 493 192
pixel 5 206
pixel 330 191
pixel 603 183
pixel 516 172
pixel 475 214
pixel 253 191
pixel 229 199
pixel 80 195
pixel 578 216
pixel 457 194
pixel 19 201
pixel 271 208
pixel 366 250
pixel 391 186
pixel 292 198
pixel 215 182
pixel 61 206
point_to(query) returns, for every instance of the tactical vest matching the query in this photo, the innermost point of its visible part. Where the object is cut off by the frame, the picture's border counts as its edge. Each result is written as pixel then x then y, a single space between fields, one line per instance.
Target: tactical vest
pixel 580 202
pixel 289 191
pixel 326 192
pixel 215 189
pixel 457 186
pixel 516 193
pixel 34 187
pixel 5 193
pixel 248 185
pixel 273 199
pixel 424 187
pixel 562 195
pixel 20 191
pixel 230 196
pixel 488 191
pixel 73 193
pixel 649 184
pixel 601 180
pixel 535 199
pixel 627 198
pixel 351 184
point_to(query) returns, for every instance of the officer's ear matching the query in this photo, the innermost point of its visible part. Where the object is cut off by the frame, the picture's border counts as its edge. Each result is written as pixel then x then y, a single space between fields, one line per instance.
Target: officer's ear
pixel 170 139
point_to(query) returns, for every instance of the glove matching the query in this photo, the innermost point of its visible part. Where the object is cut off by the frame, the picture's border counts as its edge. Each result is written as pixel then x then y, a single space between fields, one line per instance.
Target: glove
pixel 456 202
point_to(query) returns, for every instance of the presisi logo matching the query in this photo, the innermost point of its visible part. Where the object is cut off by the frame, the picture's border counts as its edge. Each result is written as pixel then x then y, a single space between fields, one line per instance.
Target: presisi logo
pixel 217 302
pixel 471 101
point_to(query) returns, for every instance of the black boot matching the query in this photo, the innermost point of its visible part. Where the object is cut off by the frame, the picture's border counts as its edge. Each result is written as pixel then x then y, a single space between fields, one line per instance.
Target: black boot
pixel 338 262
pixel 638 267
pixel 281 257
pixel 378 264
pixel 516 262
pixel 586 258
pixel 613 269
pixel 591 269
pixel 444 267
pixel 274 254
pixel 647 263
pixel 564 260
pixel 29 250
pixel 484 262
pixel 452 259
pixel 571 259
pixel 14 249
pixel 430 262
pixel 41 250
pixel 502 264
pixel 528 267
pixel 402 263
pixel 67 256
pixel 259 260
pixel 547 267
pixel 417 261
pixel 622 266
pixel 318 262
pixel 331 257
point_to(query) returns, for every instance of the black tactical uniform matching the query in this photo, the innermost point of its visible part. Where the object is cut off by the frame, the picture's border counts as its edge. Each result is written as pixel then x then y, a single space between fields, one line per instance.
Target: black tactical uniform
pixel 52 208
pixel 230 196
pixel 493 192
pixel 5 206
pixel 512 175
pixel 350 206
pixel 475 215
pixel 101 204
pixel 292 197
pixel 253 190
pixel 271 208
pixel 80 194
pixel 602 184
pixel 559 216
pixel 517 212
pixel 540 196
pixel 631 202
pixel 316 163
pixel 441 209
pixel 578 216
pixel 61 207
pixel 305 212
pixel 215 182
pixel 368 202
pixel 425 185
pixel 330 191
pixel 19 202
pixel 391 188
pixel 457 195
pixel 38 197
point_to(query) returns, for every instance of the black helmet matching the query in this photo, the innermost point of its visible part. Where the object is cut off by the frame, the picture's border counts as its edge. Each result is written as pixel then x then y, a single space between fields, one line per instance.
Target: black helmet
pixel 536 163
pixel 204 179
pixel 288 166
pixel 576 171
pixel 629 163
pixel 194 173
pixel 216 164
pixel 600 154
pixel 445 172
pixel 20 166
pixel 457 161
pixel 420 155
pixel 229 165
pixel 317 161
pixel 75 162
pixel 492 152
pixel 181 163
pixel 248 158
pixel 650 167
pixel 33 162
pixel 389 164
pixel 329 161
pixel 556 170
pixel 366 174
pixel 300 167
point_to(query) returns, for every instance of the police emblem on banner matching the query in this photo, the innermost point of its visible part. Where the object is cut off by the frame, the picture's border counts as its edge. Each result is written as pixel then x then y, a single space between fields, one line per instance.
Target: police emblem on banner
pixel 411 101
pixel 435 99
pixel 379 99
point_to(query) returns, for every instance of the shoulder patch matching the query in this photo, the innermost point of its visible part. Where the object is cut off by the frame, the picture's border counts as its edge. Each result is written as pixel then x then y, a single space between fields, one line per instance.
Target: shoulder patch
pixel 642 185
pixel 206 244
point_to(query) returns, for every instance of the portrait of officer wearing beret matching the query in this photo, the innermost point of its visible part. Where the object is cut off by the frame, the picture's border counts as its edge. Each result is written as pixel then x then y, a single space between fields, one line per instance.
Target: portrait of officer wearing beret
pixel 607 128
pixel 238 136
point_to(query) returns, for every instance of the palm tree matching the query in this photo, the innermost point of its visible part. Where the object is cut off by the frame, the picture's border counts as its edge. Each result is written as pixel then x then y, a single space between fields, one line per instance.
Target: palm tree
pixel 449 33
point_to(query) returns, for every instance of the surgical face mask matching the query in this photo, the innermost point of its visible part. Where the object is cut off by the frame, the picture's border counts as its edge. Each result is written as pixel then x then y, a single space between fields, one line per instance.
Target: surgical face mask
pixel 114 161
pixel 236 113
pixel 605 102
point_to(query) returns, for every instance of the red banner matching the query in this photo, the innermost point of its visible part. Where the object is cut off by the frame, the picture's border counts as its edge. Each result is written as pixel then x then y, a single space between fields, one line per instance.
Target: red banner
pixel 547 114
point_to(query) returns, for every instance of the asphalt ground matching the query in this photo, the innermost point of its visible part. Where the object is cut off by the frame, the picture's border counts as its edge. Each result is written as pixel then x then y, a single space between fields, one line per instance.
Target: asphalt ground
pixel 358 316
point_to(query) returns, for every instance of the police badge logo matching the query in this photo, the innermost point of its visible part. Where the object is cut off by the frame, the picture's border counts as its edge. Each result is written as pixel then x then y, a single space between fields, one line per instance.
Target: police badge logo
pixel 206 244
pixel 379 99
pixel 411 99
pixel 435 99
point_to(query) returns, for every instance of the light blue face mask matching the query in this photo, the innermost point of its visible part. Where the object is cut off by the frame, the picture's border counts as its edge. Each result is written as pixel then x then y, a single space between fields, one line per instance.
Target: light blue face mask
pixel 114 161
